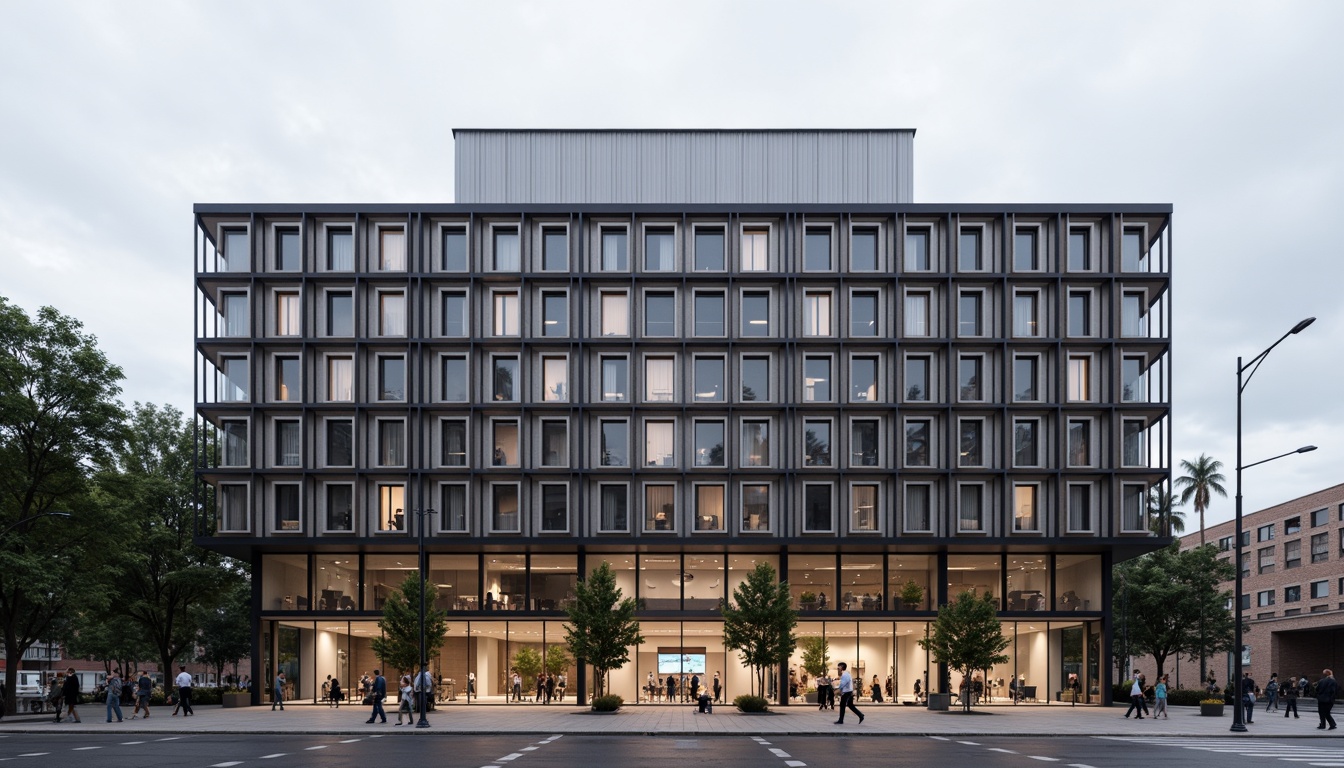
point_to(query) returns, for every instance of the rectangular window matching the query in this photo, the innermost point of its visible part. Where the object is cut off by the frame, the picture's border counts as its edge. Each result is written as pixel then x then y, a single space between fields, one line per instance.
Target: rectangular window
pixel 340 508
pixel 709 378
pixel 660 314
pixel 554 508
pixel 1025 514
pixel 1080 379
pixel 1080 260
pixel 454 250
pixel 863 508
pixel 970 377
pixel 970 509
pixel 288 254
pixel 709 503
pixel 709 250
pixel 1292 525
pixel 917 250
pixel 969 258
pixel 1133 381
pixel 234 308
pixel 392 250
pixel 554 249
pixel 816 443
pixel 1134 448
pixel 1133 315
pixel 659 247
pixel 234 379
pixel 455 379
pixel 755 379
pixel 863 443
pixel 1080 508
pixel 504 441
pixel 1320 547
pixel 1320 517
pixel 755 508
pixel 505 380
pixel 615 508
pixel 1264 599
pixel 917 435
pixel 1080 443
pixel 504 515
pixel 1132 253
pixel 863 250
pixel 709 314
pixel 755 314
pixel 863 315
pixel 554 443
pixel 816 313
pixel 615 380
pixel 340 250
pixel 660 444
pixel 918 509
pixel 659 378
pixel 340 379
pixel 287 508
pixel 863 380
pixel 340 314
pixel 615 443
pixel 1320 589
pixel 755 250
pixel 1025 319
pixel 709 444
pixel 615 309
pixel 287 444
pixel 1026 451
pixel 234 451
pixel 1134 509
pixel 817 379
pixel 1080 313
pixel 455 315
pixel 340 442
pixel 755 444
pixel 817 250
pixel 614 251
pixel 392 314
pixel 508 250
pixel 554 314
pixel 818 515
pixel 1292 594
pixel 287 314
pixel 1025 379
pixel 453 443
pixel 660 508
pixel 233 507
pixel 969 322
pixel 508 314
pixel 917 315
pixel 971 443
pixel 1265 556
pixel 555 379
pixel 288 388
pixel 453 508
pixel 391 443
pixel 1025 257
pixel 917 379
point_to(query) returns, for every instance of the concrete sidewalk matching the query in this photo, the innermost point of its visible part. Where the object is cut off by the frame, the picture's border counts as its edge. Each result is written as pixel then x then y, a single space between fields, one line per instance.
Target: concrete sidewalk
pixel 682 720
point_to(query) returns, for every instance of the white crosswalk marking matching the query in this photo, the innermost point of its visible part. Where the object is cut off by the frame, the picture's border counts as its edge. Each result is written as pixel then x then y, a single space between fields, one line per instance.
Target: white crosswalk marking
pixel 780 753
pixel 795 764
pixel 1261 748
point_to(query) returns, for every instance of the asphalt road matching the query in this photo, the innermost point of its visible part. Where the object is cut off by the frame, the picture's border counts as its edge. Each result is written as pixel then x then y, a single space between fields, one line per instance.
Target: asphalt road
pixel 71 750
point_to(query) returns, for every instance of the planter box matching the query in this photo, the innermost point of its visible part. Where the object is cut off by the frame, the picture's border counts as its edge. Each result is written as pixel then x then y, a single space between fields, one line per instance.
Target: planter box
pixel 1211 710
pixel 940 702
pixel 810 697
pixel 236 699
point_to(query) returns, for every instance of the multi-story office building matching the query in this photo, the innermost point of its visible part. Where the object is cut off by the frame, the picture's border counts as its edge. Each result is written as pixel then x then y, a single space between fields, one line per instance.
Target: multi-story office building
pixel 683 353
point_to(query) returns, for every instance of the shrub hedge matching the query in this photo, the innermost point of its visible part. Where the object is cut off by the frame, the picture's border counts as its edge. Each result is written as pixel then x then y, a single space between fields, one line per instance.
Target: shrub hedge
pixel 608 703
pixel 748 703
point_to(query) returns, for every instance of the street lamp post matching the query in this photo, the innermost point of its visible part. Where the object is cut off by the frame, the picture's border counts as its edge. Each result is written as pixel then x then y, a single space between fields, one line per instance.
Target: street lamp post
pixel 31 518
pixel 421 682
pixel 1244 378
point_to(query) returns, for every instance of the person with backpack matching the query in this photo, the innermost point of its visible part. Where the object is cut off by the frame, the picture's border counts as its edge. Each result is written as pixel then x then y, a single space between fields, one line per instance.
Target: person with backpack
pixel 56 693
pixel 1290 699
pixel 1272 692
pixel 114 695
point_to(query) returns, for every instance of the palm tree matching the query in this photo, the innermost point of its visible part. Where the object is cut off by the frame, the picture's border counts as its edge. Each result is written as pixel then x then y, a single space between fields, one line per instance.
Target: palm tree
pixel 1164 517
pixel 1200 481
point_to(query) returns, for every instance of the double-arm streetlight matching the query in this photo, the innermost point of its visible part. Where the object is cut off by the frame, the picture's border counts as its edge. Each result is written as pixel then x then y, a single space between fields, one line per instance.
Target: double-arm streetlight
pixel 421 681
pixel 1244 378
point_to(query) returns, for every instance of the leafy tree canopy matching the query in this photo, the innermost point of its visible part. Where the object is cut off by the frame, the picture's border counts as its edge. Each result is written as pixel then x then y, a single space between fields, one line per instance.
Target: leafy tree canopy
pixel 602 625
pixel 758 622
pixel 967 636
pixel 399 645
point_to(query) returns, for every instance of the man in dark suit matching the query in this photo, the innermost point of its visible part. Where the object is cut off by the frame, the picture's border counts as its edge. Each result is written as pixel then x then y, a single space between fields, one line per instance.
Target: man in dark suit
pixel 1326 690
pixel 378 694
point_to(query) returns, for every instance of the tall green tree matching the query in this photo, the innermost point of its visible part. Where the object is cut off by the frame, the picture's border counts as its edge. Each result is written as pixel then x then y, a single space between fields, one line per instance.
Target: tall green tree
pixel 1165 517
pixel 602 625
pixel 528 664
pixel 1201 480
pixel 164 579
pixel 816 656
pixel 58 417
pixel 758 622
pixel 967 636
pixel 1172 602
pixel 226 630
pixel 399 645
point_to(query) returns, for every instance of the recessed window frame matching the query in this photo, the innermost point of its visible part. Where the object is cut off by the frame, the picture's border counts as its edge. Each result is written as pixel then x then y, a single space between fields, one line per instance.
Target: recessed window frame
pixel 924 382
pixel 609 492
pixel 618 365
pixel 719 392
pixel 971 313
pixel 389 260
pixel 1029 455
pixel 454 378
pixel 711 327
pixel 289 524
pixel 1033 260
pixel 498 367
pixel 551 235
pixel 393 319
pixel 1027 313
pixel 332 517
pixel 818 248
pixel 1081 306
pixel 453 230
pixel 753 326
pixel 978 429
pixel 613 248
pixel 1082 520
pixel 332 258
pixel 742 498
pixel 501 446
pixel 664 329
pixel 604 451
pixel 911 513
pixel 454 321
pixel 858 458
pixel 500 492
pixel 329 440
pixel 235 443
pixel 818 314
pixel 702 454
pixel 974 364
pixel 287 309
pixel 809 380
pixel 917 314
pixel 860 329
pixel 972 517
pixel 506 249
pixel 709 230
pixel 918 249
pixel 755 443
pixel 1080 447
pixel 454 459
pixel 818 458
pixel 659 519
pixel 769 381
pixel 660 443
pixel 286 443
pixel 545 427
pixel 812 494
pixel 613 314
pixel 972 250
pixel 911 449
pixel 865 230
pixel 447 519
pixel 284 236
pixel 705 522
pixel 1027 508
pixel 858 510
pixel 1033 375
pixel 660 379
pixel 233 492
pixel 554 380
pixel 1134 508
pixel 659 229
pixel 1079 382
pixel 1080 261
pixel 506 313
pixel 554 313
pixel 546 495
pixel 755 251
pixel 390 449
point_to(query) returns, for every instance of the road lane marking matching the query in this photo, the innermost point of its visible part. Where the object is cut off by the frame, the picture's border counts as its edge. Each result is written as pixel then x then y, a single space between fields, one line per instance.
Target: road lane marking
pixel 1043 758
pixel 780 753
pixel 229 764
pixel 530 749
pixel 319 746
pixel 169 738
pixel 81 749
pixel 129 743
pixel 971 743
pixel 795 764
pixel 350 741
pixel 269 757
pixel 35 754
pixel 1001 749
pixel 940 738
pixel 507 758
pixel 1079 765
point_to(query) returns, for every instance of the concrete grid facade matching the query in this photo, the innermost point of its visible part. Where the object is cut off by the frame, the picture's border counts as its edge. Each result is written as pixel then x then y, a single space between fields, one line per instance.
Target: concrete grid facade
pixel 863 394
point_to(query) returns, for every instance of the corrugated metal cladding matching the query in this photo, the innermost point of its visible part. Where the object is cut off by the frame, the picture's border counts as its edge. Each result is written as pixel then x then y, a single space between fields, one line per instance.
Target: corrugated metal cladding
pixel 631 167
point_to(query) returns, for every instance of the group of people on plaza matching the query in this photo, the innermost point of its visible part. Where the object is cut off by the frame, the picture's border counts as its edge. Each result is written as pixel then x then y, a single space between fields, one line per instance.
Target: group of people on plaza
pixel 1326 689
pixel 683 688
pixel 63 692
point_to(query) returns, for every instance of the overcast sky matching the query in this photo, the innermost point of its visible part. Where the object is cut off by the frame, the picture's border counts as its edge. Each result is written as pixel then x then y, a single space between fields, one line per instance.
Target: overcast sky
pixel 116 117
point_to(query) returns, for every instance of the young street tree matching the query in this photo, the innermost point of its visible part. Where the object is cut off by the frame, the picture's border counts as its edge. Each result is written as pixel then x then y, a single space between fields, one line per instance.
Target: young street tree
pixel 226 630
pixel 967 637
pixel 602 625
pixel 399 646
pixel 58 416
pixel 527 662
pixel 759 623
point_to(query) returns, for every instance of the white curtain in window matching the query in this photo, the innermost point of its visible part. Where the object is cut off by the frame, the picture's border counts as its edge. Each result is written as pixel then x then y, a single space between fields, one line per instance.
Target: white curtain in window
pixel 233 507
pixel 864 514
pixel 341 247
pixel 659 508
pixel 393 314
pixel 756 444
pixel 235 314
pixel 1080 386
pixel 287 314
pixel 287 443
pixel 556 380
pixel 391 443
pixel 658 440
pixel 709 508
pixel 341 379
pixel 393 247
pixel 1080 508
pixel 614 509
pixel 1024 508
pixel 969 518
pixel 917 508
pixel 615 315
pixel 916 314
pixel 755 251
pixel 506 314
pixel 235 444
pixel 658 378
pixel 817 314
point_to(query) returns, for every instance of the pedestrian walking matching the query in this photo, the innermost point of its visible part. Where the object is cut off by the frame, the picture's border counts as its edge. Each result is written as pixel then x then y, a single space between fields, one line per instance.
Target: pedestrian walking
pixel 517 687
pixel 56 694
pixel 1326 690
pixel 1136 697
pixel 550 688
pixel 560 686
pixel 144 687
pixel 718 689
pixel 70 692
pixel 846 694
pixel 335 694
pixel 1290 699
pixel 1248 696
pixel 1272 692
pixel 278 692
pixel 471 685
pixel 919 690
pixel 184 690
pixel 1076 688
pixel 114 695
pixel 404 699
pixel 378 693
pixel 1160 699
pixel 876 691
pixel 541 688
